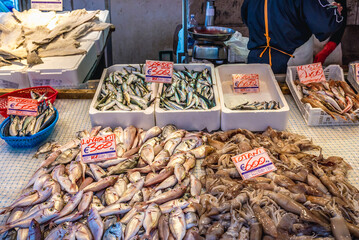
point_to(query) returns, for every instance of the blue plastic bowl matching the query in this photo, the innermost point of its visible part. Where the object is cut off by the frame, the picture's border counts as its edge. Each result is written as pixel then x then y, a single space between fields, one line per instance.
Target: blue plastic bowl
pixel 28 141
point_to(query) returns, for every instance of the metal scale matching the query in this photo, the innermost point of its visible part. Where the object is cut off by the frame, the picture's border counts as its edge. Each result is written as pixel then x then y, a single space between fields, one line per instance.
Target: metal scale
pixel 209 42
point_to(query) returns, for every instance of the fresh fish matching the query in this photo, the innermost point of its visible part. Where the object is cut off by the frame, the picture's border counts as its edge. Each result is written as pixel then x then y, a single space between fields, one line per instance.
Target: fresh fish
pixel 102 184
pixel 177 223
pixel 165 173
pixel 168 182
pixel 167 207
pixel 169 195
pixel 97 171
pixel 152 216
pixel 82 232
pixel 114 232
pixel 95 224
pixel 122 167
pixel 132 189
pixel 180 172
pixel 116 208
pixel 196 186
pixel 85 203
pixel 111 195
pixel 71 205
pixel 134 225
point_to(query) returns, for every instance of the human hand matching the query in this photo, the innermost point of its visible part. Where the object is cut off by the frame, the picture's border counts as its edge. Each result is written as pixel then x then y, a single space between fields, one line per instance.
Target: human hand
pixel 322 55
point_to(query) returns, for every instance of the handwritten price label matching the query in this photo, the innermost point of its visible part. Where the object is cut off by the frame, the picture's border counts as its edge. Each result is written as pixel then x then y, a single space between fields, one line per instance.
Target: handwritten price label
pixel 98 148
pixel 159 71
pixel 245 83
pixel 311 73
pixel 22 106
pixel 253 163
pixel 357 71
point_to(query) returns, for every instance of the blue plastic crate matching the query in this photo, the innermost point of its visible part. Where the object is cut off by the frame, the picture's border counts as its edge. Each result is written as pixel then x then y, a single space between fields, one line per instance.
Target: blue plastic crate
pixel 28 141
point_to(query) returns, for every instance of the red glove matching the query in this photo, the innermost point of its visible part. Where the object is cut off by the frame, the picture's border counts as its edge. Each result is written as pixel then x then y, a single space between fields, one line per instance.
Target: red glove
pixel 322 55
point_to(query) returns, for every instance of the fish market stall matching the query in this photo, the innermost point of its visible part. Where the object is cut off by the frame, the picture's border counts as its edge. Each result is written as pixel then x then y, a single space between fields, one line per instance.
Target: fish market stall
pixel 184 205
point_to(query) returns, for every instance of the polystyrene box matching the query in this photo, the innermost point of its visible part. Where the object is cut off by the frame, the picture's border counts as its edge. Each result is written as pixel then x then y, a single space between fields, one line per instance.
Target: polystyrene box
pixel 142 118
pixel 64 72
pixel 14 76
pixel 191 119
pixel 253 120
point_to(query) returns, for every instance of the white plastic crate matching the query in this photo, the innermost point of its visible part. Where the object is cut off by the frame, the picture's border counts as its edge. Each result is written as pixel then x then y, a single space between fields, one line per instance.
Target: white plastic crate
pixel 316 116
pixel 64 72
pixel 253 120
pixel 352 78
pixel 191 119
pixel 14 76
pixel 141 118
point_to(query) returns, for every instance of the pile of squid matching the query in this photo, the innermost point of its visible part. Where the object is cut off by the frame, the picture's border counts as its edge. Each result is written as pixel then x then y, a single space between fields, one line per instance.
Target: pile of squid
pixel 336 98
pixel 307 197
pixel 148 191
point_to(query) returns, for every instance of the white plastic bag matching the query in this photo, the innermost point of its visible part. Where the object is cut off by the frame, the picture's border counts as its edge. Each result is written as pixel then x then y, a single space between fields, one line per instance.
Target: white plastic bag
pixel 238 51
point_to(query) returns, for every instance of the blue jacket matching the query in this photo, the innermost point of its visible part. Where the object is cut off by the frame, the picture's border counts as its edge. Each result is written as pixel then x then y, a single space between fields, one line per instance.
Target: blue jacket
pixel 291 23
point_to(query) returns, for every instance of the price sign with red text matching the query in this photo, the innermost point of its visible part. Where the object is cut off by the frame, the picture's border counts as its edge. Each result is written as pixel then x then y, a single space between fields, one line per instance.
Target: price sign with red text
pixel 245 83
pixel 253 163
pixel 311 73
pixel 22 106
pixel 98 148
pixel 159 71
pixel 357 72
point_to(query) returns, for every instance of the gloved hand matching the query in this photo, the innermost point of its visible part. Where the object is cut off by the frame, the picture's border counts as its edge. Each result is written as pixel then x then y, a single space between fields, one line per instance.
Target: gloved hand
pixel 322 55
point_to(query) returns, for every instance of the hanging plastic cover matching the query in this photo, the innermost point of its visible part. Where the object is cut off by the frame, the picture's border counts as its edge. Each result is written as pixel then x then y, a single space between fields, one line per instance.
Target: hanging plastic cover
pixel 238 51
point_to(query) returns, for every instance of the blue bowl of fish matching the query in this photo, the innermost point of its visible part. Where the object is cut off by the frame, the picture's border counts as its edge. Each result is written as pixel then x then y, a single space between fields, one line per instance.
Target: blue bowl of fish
pixel 29 140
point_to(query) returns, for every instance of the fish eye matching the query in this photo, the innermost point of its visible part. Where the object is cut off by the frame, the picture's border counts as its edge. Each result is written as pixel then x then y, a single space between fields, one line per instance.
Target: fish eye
pixel 181 200
pixel 98 205
pixel 51 209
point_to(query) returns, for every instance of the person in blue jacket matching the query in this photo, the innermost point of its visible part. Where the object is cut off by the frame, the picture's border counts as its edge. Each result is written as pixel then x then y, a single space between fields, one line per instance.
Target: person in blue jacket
pixel 280 31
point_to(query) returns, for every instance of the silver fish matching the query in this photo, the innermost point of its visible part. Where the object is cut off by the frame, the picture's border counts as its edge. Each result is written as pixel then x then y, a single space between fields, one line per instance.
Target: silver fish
pixel 95 223
pixel 114 232
pixel 82 232
pixel 132 189
pixel 177 223
pixel 116 208
pixel 134 225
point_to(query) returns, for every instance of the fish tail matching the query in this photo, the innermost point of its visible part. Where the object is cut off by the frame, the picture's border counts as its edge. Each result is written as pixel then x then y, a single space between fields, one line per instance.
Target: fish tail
pixel 4 229
pixel 5 210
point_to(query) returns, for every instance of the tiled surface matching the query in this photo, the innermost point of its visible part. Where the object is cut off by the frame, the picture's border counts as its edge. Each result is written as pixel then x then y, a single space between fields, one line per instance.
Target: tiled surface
pixel 17 165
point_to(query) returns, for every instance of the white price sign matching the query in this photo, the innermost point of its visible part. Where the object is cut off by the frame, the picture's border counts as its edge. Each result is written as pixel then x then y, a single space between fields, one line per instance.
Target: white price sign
pixel 48 5
pixel 254 163
pixel 98 148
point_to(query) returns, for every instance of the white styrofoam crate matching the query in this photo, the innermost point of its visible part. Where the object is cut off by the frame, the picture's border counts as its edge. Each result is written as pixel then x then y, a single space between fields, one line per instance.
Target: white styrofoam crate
pixel 64 72
pixel 141 118
pixel 99 37
pixel 316 116
pixel 253 120
pixel 191 119
pixel 14 76
pixel 352 78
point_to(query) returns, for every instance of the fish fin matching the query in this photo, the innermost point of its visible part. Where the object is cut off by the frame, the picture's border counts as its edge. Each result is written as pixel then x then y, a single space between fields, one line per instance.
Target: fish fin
pixel 5 210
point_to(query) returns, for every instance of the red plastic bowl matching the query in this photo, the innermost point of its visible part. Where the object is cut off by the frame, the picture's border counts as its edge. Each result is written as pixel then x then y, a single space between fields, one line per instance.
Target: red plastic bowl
pixel 25 93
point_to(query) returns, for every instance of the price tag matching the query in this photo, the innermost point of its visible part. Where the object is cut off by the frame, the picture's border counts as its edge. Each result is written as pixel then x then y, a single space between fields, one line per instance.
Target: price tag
pixel 311 73
pixel 253 163
pixel 22 106
pixel 245 83
pixel 47 5
pixel 357 71
pixel 98 148
pixel 159 71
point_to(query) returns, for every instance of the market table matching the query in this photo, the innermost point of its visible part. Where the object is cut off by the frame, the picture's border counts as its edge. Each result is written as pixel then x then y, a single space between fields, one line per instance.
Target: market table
pixel 17 165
